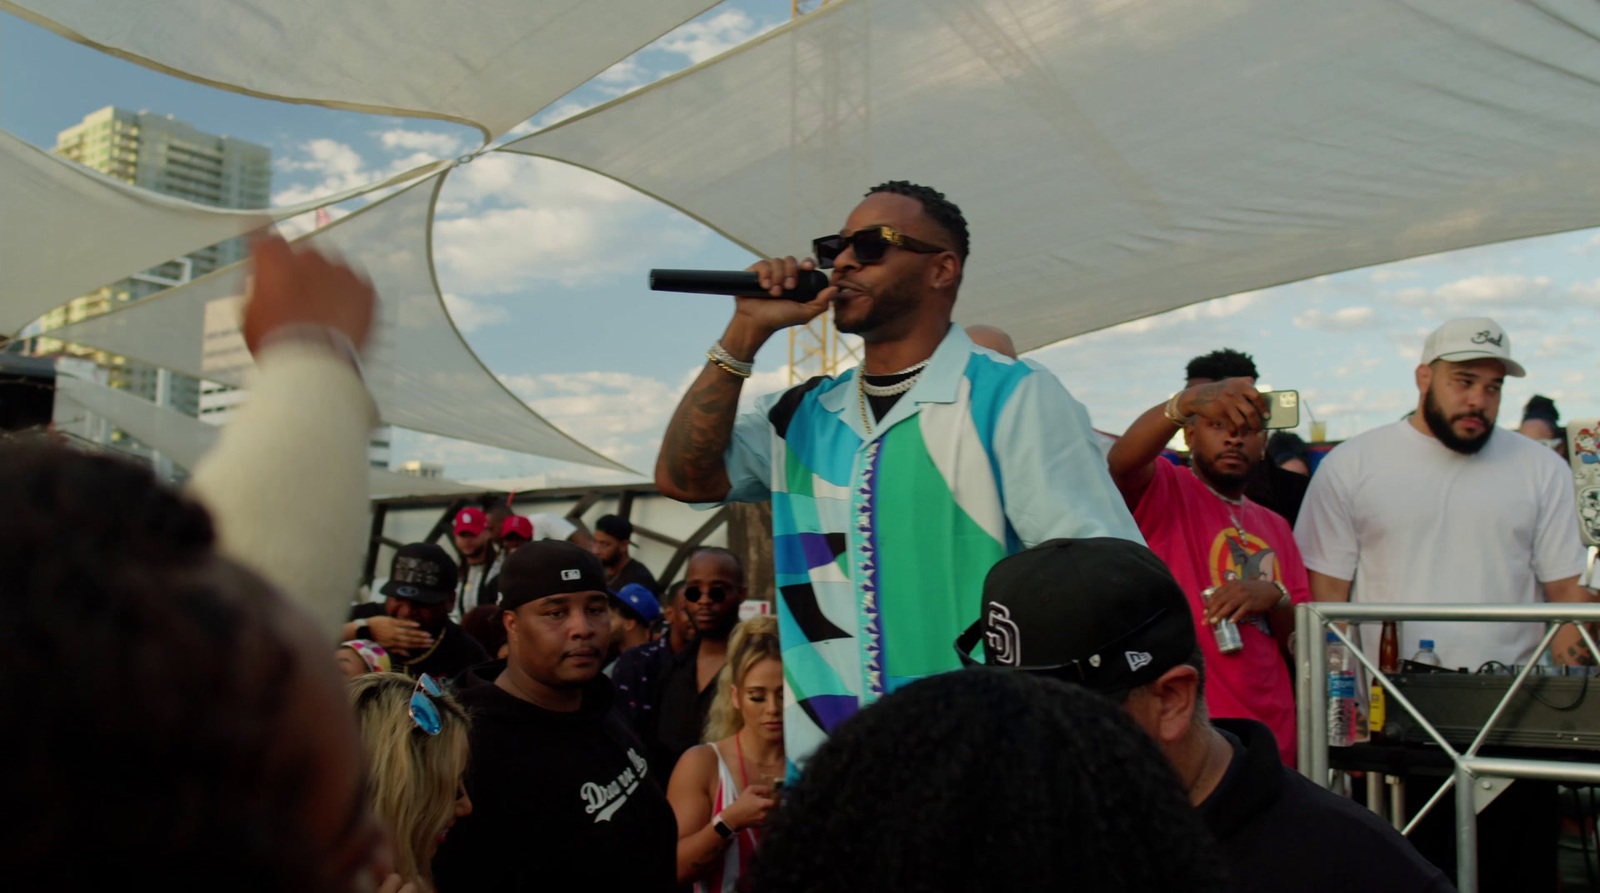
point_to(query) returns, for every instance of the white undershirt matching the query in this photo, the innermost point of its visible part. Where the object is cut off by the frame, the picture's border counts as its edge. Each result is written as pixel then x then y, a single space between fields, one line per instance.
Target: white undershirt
pixel 1409 520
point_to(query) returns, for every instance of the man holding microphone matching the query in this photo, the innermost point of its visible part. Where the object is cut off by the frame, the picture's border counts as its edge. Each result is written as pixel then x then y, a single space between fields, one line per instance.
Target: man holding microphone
pixel 894 486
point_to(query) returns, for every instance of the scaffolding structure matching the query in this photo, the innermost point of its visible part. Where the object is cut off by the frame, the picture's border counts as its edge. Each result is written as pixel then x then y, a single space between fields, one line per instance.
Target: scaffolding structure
pixel 830 132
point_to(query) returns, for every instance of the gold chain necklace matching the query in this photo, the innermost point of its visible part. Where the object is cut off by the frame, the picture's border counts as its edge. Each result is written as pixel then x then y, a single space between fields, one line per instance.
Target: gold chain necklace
pixel 861 397
pixel 908 384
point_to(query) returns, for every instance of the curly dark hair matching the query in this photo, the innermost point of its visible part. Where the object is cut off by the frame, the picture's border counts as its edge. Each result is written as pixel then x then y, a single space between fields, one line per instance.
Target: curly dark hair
pixel 938 208
pixel 1224 363
pixel 986 779
pixel 143 681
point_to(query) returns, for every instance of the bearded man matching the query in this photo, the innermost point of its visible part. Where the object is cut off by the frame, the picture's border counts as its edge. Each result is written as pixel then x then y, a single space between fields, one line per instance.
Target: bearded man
pixel 1235 559
pixel 895 486
pixel 1441 508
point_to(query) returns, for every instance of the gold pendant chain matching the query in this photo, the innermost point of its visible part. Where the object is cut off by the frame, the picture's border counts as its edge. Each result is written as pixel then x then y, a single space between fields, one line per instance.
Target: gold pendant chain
pixel 861 394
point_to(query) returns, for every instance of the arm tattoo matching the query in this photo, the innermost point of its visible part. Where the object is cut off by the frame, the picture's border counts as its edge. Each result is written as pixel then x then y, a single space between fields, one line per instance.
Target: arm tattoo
pixel 700 430
pixel 1207 394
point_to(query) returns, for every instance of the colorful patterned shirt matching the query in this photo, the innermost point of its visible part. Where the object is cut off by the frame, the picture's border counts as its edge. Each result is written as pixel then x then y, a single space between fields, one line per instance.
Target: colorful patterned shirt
pixel 881 542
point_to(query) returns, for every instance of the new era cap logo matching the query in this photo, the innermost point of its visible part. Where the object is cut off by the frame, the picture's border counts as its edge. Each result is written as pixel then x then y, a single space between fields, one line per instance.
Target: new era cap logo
pixel 571 574
pixel 1137 659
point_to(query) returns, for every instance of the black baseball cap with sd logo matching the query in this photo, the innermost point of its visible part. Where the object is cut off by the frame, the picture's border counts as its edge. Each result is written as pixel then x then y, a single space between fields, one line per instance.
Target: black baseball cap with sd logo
pixel 1104 613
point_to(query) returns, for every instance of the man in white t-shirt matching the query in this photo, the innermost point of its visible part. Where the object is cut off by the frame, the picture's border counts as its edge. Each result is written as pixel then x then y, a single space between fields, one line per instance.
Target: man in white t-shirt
pixel 1439 508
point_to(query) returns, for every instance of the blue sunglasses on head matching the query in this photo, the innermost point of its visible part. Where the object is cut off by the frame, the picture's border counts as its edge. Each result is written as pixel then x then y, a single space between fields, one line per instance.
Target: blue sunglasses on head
pixel 424 712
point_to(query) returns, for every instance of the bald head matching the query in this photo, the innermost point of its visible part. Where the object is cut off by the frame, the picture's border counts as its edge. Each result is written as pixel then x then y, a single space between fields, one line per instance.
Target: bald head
pixel 992 338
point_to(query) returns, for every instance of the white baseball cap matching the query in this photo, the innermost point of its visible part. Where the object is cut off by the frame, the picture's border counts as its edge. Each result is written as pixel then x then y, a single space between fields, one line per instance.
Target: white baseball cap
pixel 1474 338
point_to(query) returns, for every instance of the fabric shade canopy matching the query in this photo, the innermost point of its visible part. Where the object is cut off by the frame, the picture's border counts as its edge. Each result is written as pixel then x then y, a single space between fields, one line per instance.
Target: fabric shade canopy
pixel 1120 159
pixel 488 63
pixel 421 374
pixel 69 229
pixel 185 439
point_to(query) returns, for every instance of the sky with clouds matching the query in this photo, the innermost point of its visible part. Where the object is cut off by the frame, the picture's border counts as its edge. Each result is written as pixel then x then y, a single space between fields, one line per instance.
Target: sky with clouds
pixel 542 267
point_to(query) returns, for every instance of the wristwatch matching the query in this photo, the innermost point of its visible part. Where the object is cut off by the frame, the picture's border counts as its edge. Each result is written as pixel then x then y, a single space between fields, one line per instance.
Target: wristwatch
pixel 721 827
pixel 1284 600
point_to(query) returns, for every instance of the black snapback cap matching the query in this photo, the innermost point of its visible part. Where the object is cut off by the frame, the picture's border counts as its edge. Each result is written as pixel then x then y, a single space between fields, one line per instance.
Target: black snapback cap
pixel 1105 613
pixel 422 572
pixel 544 568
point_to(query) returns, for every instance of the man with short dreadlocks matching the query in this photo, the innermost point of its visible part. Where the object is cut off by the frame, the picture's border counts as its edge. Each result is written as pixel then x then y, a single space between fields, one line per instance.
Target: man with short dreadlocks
pixel 896 485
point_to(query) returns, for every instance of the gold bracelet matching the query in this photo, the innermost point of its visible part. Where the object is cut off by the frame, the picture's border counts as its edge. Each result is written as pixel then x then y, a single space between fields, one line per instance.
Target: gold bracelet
pixel 1171 412
pixel 726 368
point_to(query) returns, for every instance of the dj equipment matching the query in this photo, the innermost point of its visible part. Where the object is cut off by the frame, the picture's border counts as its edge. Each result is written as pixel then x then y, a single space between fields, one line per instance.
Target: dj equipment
pixel 1553 708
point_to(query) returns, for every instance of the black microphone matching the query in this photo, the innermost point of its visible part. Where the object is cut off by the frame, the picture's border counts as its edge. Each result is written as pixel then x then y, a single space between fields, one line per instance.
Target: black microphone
pixel 810 283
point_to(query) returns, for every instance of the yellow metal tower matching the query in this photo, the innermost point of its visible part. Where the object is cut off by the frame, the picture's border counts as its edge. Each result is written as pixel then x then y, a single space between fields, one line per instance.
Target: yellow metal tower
pixel 830 147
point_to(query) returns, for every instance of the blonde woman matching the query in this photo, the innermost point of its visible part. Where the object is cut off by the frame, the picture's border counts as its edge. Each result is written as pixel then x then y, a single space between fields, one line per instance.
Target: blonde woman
pixel 721 791
pixel 415 738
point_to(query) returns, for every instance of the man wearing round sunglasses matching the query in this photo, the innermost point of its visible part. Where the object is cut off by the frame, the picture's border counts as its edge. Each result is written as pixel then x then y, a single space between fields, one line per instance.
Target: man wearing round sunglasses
pixel 895 485
pixel 713 589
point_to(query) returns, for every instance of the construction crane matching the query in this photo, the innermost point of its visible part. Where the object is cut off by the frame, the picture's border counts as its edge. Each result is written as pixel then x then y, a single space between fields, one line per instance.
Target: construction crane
pixel 830 146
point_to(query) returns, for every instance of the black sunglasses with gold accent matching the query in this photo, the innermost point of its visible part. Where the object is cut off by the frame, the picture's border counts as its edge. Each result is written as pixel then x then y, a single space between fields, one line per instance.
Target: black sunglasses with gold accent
pixel 870 245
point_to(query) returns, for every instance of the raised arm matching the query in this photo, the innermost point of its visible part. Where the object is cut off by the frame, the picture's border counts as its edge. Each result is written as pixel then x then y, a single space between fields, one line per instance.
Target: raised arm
pixel 690 466
pixel 287 481
pixel 1233 401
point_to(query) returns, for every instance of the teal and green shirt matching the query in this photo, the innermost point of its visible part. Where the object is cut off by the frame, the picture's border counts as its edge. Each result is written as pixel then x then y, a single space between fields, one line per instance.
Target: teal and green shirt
pixel 881 542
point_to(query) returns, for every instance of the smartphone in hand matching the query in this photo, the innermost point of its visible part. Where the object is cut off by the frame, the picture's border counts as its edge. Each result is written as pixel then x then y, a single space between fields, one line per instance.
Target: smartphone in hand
pixel 1283 409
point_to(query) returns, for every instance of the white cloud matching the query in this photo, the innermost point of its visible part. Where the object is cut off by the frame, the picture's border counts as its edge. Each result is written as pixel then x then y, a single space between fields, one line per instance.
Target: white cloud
pixel 1482 293
pixel 525 220
pixel 1357 366
pixel 1346 319
pixel 628 71
pixel 1591 245
pixel 622 414
pixel 1585 293
pixel 437 145
pixel 335 165
pixel 702 40
pixel 1348 412
pixel 1215 309
pixel 1408 344
pixel 618 413
pixel 1391 275
pixel 1556 346
pixel 1492 290
pixel 470 315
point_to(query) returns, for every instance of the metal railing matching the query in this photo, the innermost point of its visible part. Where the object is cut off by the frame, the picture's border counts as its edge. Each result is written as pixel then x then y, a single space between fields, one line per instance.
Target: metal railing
pixel 1314 620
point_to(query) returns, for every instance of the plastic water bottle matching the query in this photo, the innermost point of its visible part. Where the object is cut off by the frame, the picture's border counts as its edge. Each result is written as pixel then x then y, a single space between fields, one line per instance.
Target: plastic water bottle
pixel 1346 723
pixel 1425 654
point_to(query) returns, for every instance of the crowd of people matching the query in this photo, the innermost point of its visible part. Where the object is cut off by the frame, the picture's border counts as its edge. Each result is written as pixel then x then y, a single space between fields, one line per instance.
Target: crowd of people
pixel 999 657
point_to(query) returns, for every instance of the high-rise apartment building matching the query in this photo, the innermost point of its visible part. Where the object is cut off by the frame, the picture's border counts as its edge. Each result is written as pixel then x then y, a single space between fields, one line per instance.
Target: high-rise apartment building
pixel 226 356
pixel 161 154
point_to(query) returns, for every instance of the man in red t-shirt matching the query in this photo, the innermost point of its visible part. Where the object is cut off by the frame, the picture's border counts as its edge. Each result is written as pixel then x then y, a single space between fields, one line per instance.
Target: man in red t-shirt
pixel 1214 538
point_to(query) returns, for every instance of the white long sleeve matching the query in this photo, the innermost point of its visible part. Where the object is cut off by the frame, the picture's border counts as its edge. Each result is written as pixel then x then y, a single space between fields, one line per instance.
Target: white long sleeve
pixel 286 483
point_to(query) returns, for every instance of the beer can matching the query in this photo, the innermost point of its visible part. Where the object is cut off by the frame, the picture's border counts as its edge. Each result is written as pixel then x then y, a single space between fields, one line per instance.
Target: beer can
pixel 1226 631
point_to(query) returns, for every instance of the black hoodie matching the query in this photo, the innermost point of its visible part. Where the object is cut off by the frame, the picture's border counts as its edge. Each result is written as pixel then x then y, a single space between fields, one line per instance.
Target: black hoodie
pixel 559 800
pixel 1281 832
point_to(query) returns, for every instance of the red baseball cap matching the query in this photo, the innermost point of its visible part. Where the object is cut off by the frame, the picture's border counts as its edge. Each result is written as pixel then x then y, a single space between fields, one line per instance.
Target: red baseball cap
pixel 518 525
pixel 471 521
